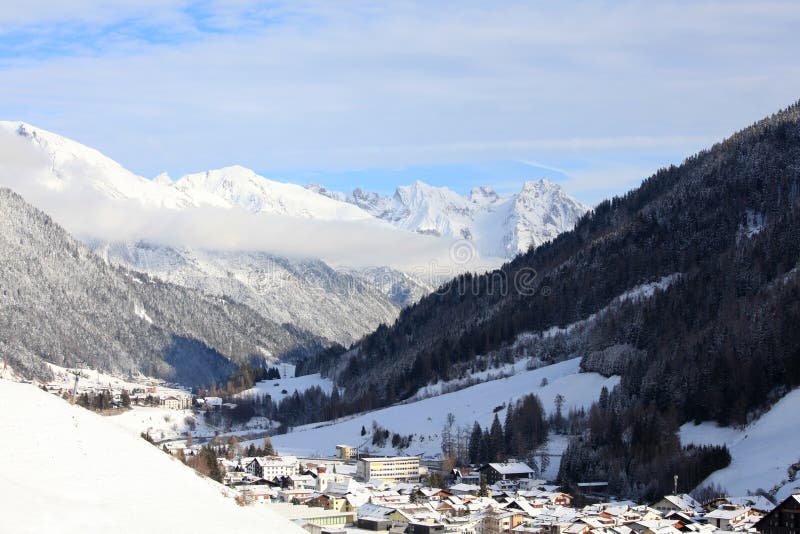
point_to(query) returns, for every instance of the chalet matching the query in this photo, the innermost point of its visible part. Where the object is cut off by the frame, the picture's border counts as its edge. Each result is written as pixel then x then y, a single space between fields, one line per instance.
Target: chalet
pixel 727 515
pixel 465 475
pixel 678 503
pixel 271 467
pixel 464 489
pixel 783 519
pixel 495 472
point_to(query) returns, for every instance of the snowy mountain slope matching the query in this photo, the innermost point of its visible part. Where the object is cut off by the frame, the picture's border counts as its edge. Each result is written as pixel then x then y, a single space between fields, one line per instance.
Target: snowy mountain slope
pixel 426 418
pixel 240 187
pixel 75 167
pixel 500 226
pixel 761 452
pixel 275 388
pixel 309 294
pixel 75 471
pixel 401 288
pixel 61 303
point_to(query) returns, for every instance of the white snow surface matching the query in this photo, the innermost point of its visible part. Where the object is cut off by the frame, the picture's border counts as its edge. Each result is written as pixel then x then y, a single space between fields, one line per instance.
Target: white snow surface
pixel 69 470
pixel 761 452
pixel 275 388
pixel 497 225
pixel 73 166
pixel 238 186
pixel 426 418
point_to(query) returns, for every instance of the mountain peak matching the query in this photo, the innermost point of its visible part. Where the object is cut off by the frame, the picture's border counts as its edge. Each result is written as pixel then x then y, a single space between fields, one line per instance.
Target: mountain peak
pixel 483 194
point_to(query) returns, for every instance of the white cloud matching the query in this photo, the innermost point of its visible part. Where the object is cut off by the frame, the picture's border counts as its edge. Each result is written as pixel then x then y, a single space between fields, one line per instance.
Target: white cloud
pixel 91 215
pixel 355 85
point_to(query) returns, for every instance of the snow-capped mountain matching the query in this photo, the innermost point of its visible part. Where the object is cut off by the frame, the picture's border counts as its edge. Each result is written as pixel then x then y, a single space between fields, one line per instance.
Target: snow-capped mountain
pixel 240 187
pixel 74 167
pixel 498 225
pixel 308 294
pixel 349 302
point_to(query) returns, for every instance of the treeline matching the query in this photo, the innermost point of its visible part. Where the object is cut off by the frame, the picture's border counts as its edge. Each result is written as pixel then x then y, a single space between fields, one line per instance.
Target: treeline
pixel 102 400
pixel 241 379
pixel 635 448
pixel 524 430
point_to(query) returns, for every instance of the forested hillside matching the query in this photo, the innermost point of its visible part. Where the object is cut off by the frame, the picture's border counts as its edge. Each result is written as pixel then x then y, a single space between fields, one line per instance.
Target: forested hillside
pixel 719 342
pixel 61 303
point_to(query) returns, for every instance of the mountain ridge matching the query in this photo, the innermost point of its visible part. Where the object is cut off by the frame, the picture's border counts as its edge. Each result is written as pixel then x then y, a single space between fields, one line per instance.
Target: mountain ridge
pixel 60 302
pixel 498 225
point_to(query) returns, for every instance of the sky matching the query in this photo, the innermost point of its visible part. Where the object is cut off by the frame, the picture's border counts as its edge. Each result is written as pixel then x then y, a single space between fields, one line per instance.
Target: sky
pixel 594 95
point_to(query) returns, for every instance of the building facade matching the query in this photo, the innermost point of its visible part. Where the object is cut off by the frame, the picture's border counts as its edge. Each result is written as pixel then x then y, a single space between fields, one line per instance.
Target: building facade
pixel 396 468
pixel 784 519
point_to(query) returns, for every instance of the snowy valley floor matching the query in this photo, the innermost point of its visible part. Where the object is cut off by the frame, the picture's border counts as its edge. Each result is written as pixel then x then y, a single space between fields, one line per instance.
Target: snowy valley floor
pixel 426 418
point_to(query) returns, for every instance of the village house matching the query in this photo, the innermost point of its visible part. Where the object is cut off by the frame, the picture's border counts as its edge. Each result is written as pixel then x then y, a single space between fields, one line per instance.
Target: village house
pixel 171 402
pixel 465 475
pixel 727 515
pixel 678 503
pixel 346 452
pixel 271 467
pixel 500 521
pixel 499 471
pixel 783 519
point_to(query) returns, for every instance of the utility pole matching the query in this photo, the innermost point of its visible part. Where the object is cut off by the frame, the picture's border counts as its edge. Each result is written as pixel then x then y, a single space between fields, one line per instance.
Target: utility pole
pixel 675 478
pixel 77 373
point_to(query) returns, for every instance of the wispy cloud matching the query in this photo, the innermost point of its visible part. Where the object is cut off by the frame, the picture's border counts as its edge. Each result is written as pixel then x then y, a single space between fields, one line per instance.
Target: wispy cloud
pixel 186 85
pixel 91 215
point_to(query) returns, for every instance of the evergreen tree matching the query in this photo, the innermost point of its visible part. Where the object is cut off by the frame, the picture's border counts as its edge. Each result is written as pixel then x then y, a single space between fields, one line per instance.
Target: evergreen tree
pixel 496 441
pixel 508 431
pixel 475 441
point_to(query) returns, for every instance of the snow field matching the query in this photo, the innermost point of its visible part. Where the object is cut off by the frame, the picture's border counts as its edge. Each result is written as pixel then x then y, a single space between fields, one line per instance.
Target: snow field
pixel 72 471
pixel 760 453
pixel 426 418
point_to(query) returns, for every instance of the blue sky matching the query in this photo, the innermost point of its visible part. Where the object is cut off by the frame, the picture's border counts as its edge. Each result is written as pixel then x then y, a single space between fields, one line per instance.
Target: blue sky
pixel 594 95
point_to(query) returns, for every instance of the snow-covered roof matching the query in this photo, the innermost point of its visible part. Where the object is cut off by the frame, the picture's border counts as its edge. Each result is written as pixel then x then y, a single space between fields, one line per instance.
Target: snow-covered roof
pixel 511 468
pixel 726 513
pixel 683 501
pixel 464 487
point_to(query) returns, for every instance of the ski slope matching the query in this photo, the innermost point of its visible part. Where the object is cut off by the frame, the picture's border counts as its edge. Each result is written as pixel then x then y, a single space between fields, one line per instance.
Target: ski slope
pixel 426 418
pixel 68 470
pixel 276 388
pixel 760 454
